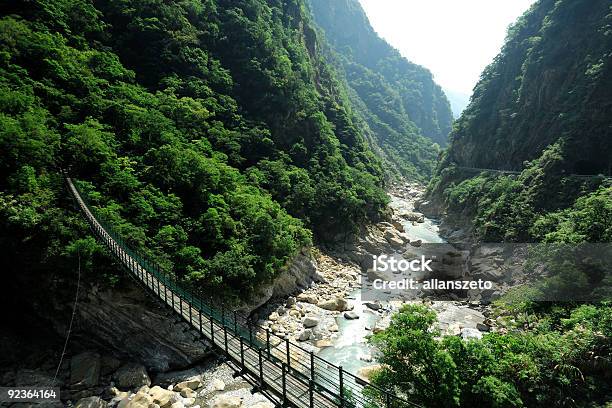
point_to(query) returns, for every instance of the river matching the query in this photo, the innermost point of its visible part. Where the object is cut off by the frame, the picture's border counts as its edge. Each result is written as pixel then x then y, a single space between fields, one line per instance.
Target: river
pixel 350 349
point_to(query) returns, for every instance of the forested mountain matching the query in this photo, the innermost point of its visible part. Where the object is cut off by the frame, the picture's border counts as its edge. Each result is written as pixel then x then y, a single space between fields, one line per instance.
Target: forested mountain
pixel 543 108
pixel 210 133
pixel 403 107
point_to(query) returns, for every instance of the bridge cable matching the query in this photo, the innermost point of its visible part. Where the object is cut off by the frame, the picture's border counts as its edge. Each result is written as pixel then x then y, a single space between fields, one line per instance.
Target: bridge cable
pixel 74 307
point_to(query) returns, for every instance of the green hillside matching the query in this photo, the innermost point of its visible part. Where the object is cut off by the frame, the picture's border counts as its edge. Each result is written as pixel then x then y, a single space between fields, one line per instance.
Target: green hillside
pixel 405 110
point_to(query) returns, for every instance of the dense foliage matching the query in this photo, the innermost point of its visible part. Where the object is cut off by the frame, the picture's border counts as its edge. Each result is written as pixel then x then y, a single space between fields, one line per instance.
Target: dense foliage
pixel 542 108
pixel 550 83
pixel 540 204
pixel 563 359
pixel 403 109
pixel 209 133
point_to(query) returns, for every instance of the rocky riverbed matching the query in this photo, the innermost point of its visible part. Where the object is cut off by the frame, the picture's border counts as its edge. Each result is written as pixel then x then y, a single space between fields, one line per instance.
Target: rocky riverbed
pixel 93 380
pixel 332 316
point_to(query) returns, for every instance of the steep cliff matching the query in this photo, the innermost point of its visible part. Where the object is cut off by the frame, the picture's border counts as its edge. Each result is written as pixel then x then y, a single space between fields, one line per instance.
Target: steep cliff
pixel 402 105
pixel 543 109
pixel 550 82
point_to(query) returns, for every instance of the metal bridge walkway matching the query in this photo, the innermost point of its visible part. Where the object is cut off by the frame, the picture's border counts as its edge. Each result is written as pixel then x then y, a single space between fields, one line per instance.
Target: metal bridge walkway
pixel 295 376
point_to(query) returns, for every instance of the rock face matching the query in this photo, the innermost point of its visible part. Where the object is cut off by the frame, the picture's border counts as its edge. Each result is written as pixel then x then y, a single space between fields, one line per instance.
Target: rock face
pixel 131 376
pixel 91 402
pixel 123 320
pixel 85 370
pixel 452 318
pixel 299 273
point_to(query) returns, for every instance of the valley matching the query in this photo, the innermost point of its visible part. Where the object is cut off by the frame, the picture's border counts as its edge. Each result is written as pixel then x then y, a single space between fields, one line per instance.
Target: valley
pixel 200 198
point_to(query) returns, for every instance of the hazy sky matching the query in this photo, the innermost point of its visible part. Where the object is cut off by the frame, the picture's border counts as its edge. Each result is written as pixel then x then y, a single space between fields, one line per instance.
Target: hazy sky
pixel 455 39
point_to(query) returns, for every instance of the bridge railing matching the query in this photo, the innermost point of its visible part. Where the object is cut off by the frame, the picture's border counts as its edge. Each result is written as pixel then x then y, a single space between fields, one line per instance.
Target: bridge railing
pixel 346 389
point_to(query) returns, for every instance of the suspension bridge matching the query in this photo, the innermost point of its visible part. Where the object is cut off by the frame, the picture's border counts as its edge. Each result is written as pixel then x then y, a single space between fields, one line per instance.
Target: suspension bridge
pixel 282 369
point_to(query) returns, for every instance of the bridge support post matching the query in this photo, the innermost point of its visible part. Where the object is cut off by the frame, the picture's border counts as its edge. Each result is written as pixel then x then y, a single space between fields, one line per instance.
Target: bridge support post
pixel 288 351
pixel 235 322
pixel 225 339
pixel 311 393
pixel 312 366
pixel 284 401
pixel 261 378
pixel 165 293
pixel 268 342
pixel 242 366
pixel 250 326
pixel 158 284
pixel 341 385
pixel 212 329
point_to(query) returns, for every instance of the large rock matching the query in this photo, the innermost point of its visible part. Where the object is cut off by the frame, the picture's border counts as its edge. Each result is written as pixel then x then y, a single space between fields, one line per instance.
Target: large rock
pixel 140 400
pixel 416 243
pixel 483 327
pixel 366 373
pixel 163 398
pixel 308 298
pixel 263 404
pixel 468 333
pixel 416 217
pixel 91 402
pixel 85 370
pixel 192 383
pixel 351 316
pixel 336 304
pixel 305 335
pixel 188 393
pixel 394 239
pixel 323 343
pixel 226 401
pixel 131 376
pixel 451 316
pixel 398 226
pixel 218 385
pixel 373 305
pixel 188 402
pixel 310 321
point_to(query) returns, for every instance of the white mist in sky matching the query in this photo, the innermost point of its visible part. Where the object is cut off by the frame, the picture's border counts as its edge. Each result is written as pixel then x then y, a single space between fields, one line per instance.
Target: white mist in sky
pixel 454 39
